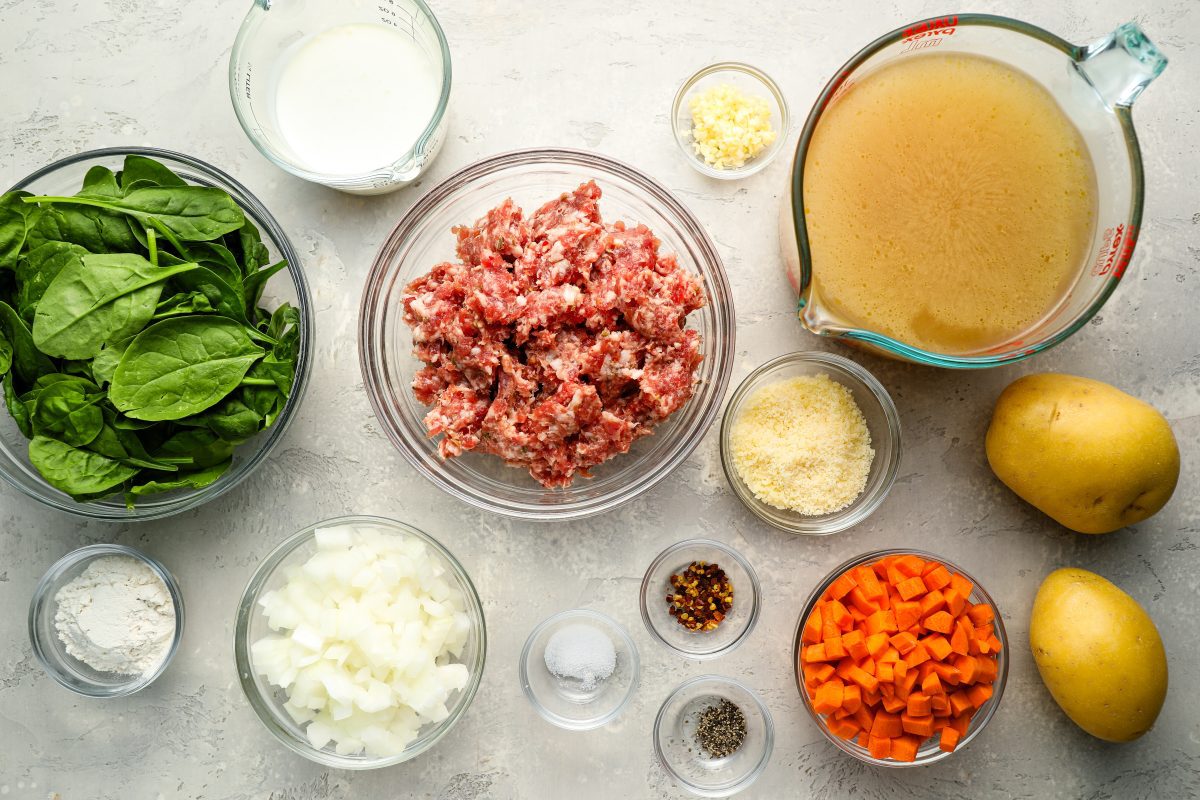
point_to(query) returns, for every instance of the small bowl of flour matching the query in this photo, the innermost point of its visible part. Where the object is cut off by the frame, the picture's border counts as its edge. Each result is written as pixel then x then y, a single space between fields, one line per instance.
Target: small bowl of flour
pixel 105 620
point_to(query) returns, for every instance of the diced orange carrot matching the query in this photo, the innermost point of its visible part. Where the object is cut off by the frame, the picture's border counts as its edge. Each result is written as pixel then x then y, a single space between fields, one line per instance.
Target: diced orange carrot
pixel 864 717
pixel 871 698
pixel 913 587
pixel 841 713
pixel 857 615
pixel 868 581
pixel 908 613
pixel 914 657
pixel 852 697
pixel 961 585
pixel 919 726
pixel 947 673
pixel 985 670
pixel 889 656
pixel 967 668
pixel 994 644
pixel 959 703
pixel 931 603
pixel 973 647
pixel 903 642
pixel 855 642
pixel 955 602
pixel 862 739
pixel 881 622
pixel 842 585
pixel 949 740
pixel 886 724
pixel 812 628
pixel 919 704
pixel 834 649
pixel 938 646
pixel 844 728
pixel 959 640
pixel 829 697
pixel 879 746
pixel 910 678
pixel 816 674
pixel 814 652
pixel 901 669
pixel 884 672
pixel 962 723
pixel 981 614
pixel 932 685
pixel 892 704
pixel 894 575
pixel 910 565
pixel 939 621
pixel 877 644
pixel 859 600
pixel 979 694
pixel 864 679
pixel 904 748
pixel 938 578
pixel 941 706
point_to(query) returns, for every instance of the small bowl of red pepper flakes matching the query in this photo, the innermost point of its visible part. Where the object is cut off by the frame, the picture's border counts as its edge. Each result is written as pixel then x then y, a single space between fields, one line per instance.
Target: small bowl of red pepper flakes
pixel 700 598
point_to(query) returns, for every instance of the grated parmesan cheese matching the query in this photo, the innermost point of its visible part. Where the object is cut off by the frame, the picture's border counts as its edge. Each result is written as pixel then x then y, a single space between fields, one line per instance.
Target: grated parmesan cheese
pixel 729 127
pixel 803 445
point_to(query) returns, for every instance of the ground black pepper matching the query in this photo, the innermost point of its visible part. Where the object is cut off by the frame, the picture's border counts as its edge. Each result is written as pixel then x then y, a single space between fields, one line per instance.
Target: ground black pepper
pixel 720 729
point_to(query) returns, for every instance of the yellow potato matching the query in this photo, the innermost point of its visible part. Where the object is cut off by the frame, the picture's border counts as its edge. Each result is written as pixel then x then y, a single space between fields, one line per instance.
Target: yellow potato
pixel 1099 654
pixel 1090 456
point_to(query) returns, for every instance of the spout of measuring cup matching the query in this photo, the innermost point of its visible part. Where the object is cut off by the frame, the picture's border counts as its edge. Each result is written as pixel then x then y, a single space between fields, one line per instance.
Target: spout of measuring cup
pixel 1121 65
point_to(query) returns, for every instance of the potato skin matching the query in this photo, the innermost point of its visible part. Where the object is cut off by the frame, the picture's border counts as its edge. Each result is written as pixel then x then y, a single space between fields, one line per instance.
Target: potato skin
pixel 1099 654
pixel 1085 453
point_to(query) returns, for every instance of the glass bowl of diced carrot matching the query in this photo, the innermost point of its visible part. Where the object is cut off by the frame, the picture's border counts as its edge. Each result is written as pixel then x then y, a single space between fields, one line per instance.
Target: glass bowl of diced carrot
pixel 901 657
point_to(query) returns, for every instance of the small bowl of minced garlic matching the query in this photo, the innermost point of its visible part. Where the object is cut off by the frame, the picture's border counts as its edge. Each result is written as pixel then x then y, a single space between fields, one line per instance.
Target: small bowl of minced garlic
pixel 105 620
pixel 810 442
pixel 729 120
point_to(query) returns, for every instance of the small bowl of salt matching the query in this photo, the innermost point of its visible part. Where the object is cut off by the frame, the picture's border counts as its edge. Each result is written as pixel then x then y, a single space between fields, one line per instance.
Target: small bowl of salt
pixel 579 669
pixel 106 620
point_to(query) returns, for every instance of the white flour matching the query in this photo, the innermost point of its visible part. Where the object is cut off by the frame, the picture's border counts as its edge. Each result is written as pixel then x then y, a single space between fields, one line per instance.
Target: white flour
pixel 116 616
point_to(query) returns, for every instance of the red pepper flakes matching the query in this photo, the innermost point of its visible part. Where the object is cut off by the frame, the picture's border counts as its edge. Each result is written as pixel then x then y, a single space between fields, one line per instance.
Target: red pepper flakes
pixel 700 596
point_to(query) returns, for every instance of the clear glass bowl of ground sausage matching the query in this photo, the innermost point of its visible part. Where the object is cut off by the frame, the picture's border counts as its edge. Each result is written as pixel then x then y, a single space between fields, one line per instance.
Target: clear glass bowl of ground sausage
pixel 64 177
pixel 878 413
pixel 929 750
pixel 423 239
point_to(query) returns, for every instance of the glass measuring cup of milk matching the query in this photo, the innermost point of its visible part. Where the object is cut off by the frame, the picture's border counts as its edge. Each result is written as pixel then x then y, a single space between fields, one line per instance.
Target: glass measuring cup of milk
pixel 349 94
pixel 1094 85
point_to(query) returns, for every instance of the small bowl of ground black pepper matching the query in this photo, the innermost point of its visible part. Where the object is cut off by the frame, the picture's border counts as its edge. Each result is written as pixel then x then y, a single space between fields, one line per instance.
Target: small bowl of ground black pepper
pixel 714 736
pixel 700 598
pixel 810 442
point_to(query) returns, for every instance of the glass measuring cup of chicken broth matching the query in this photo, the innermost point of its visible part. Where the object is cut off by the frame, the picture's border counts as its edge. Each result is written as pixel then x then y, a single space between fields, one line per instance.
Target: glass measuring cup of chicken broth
pixel 350 94
pixel 967 190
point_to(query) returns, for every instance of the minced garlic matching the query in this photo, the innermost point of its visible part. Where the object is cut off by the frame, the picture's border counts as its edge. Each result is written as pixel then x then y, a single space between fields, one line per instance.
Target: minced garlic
pixel 803 445
pixel 729 127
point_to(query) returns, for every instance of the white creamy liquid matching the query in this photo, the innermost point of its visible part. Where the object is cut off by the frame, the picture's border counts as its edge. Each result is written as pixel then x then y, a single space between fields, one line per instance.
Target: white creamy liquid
pixel 355 98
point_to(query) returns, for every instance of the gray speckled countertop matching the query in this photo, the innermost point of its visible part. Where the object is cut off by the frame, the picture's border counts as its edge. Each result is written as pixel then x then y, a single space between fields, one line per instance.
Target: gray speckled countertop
pixel 78 75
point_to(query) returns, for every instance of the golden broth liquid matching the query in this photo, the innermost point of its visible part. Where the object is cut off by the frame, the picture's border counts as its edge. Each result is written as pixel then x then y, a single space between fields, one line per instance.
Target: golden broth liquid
pixel 949 202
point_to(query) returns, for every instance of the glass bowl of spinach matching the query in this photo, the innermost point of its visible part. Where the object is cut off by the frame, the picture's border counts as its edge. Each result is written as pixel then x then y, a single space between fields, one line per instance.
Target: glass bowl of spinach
pixel 155 333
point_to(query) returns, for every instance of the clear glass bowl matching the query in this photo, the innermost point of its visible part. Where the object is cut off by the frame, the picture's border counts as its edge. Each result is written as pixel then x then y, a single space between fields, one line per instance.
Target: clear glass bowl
pixel 566 702
pixel 929 751
pixel 267 700
pixel 290 285
pixel 676 748
pixel 423 238
pixel 748 79
pixel 732 631
pixel 883 422
pixel 266 38
pixel 49 649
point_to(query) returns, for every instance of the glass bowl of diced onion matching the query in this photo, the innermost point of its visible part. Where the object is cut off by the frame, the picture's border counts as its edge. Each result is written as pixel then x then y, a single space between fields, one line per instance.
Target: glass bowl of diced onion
pixel 741 92
pixel 360 642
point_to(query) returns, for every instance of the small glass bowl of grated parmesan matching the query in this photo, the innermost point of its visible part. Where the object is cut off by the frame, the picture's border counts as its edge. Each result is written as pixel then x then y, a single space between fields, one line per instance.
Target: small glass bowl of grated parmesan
pixel 729 120
pixel 810 442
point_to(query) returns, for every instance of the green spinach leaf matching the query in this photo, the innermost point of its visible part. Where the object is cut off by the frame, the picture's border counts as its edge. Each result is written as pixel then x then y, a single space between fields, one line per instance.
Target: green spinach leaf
pixel 27 361
pixel 18 410
pixel 196 479
pixel 78 472
pixel 181 366
pixel 16 218
pixel 103 298
pixel 96 230
pixel 193 213
pixel 6 355
pixel 38 268
pixel 69 412
pixel 148 172
pixel 101 182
